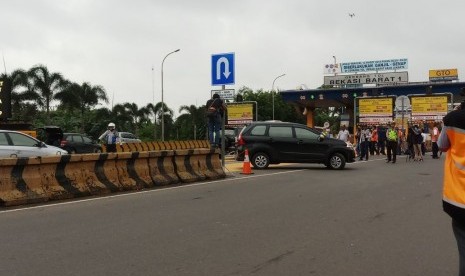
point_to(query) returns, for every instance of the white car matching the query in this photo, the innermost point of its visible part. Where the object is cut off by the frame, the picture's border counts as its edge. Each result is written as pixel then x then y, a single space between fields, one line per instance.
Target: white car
pixel 17 144
pixel 128 137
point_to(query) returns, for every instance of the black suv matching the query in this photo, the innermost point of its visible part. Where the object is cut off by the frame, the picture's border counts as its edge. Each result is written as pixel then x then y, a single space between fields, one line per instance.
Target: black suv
pixel 79 143
pixel 279 142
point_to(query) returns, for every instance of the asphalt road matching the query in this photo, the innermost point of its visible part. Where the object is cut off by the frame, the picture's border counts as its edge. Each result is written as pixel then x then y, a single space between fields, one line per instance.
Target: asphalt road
pixel 372 218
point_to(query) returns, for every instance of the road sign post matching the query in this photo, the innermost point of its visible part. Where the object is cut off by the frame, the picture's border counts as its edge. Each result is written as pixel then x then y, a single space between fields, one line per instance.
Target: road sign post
pixel 223 69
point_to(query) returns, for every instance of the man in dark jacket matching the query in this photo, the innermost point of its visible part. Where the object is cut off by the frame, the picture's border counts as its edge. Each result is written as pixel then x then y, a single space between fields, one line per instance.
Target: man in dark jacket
pixel 215 110
pixel 381 139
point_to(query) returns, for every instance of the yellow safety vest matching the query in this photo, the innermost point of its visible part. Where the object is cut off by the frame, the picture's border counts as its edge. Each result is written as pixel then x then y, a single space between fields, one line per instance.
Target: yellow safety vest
pixel 392 135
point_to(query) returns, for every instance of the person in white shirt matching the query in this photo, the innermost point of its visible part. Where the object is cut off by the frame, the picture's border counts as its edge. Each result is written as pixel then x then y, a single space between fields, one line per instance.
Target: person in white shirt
pixel 343 134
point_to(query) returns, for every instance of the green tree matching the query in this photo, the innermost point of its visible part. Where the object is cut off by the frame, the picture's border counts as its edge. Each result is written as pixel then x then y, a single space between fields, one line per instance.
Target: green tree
pixel 45 85
pixel 191 124
pixel 283 111
pixel 23 107
pixel 81 97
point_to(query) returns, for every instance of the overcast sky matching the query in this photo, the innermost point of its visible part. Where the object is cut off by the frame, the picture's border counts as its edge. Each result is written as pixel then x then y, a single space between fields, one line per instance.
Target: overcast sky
pixel 115 43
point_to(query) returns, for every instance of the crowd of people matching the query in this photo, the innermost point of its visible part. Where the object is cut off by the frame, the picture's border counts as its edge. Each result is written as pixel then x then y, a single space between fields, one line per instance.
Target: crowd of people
pixel 390 140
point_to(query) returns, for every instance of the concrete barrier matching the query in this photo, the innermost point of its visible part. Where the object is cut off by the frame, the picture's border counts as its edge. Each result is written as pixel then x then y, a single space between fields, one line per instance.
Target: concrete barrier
pixel 33 180
pixel 187 167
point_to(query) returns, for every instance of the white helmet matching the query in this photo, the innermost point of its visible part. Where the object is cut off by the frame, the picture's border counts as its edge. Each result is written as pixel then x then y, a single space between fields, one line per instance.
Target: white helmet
pixel 111 125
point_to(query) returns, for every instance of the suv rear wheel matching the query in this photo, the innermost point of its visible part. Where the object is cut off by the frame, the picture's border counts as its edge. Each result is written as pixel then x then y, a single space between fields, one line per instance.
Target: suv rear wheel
pixel 336 162
pixel 260 160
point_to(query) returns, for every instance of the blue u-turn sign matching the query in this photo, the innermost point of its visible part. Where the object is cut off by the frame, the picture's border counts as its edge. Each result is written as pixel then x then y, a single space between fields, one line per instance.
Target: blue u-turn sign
pixel 223 69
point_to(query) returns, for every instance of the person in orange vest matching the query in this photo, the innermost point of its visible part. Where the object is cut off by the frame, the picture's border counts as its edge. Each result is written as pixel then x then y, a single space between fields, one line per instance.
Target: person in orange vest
pixel 452 141
pixel 374 142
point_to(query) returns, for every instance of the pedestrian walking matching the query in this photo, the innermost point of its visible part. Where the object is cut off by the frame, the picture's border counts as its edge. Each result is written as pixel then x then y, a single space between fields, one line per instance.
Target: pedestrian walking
pixel 365 137
pixel 381 131
pixel 417 141
pixel 434 141
pixel 343 134
pixel 374 142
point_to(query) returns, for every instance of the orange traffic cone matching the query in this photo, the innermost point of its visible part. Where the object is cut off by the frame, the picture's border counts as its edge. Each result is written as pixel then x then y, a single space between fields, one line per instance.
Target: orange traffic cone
pixel 246 166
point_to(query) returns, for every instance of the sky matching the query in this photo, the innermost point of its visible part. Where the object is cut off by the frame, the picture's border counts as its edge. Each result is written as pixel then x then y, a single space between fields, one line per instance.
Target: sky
pixel 120 44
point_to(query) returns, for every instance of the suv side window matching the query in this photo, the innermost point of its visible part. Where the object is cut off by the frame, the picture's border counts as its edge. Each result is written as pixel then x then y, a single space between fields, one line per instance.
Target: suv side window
pixel 302 133
pixel 77 138
pixel 258 131
pixel 86 139
pixel 280 131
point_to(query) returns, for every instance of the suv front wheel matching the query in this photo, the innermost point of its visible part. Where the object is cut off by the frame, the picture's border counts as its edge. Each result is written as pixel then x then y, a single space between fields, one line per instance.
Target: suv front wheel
pixel 260 160
pixel 336 162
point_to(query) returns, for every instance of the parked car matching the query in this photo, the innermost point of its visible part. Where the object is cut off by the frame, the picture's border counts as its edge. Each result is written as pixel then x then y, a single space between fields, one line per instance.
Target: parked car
pixel 128 137
pixel 18 144
pixel 279 142
pixel 79 143
pixel 51 135
pixel 231 138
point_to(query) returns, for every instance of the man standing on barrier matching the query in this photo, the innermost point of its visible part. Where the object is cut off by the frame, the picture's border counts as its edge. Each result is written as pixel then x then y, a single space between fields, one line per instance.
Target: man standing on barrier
pixel 110 138
pixel 215 111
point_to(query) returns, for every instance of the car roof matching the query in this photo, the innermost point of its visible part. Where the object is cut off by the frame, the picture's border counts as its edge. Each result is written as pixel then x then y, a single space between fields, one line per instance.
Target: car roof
pixel 274 123
pixel 15 131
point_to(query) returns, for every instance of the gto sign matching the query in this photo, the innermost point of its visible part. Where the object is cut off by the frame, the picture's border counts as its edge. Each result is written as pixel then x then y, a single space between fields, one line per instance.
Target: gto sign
pixel 443 75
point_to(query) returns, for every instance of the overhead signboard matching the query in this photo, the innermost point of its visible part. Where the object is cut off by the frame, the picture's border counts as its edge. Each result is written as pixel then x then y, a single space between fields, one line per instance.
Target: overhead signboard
pixel 223 69
pixel 375 106
pixel 443 75
pixel 375 110
pixel 374 66
pixel 372 78
pixel 226 94
pixel 240 114
pixel 429 105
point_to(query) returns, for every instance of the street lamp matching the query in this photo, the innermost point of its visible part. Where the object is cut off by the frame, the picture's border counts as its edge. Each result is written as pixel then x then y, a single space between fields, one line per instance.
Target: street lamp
pixel 162 101
pixel 272 90
pixel 334 57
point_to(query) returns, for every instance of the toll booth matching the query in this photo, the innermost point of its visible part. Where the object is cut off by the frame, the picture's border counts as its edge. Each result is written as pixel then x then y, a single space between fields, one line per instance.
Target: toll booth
pixel 309 99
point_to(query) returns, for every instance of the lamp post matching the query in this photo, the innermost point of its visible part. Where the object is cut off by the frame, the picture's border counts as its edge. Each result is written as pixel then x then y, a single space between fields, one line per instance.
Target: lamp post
pixel 334 57
pixel 272 90
pixel 162 101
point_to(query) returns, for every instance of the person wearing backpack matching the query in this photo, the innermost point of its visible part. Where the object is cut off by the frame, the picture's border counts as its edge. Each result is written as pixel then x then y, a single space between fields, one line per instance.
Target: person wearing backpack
pixel 215 110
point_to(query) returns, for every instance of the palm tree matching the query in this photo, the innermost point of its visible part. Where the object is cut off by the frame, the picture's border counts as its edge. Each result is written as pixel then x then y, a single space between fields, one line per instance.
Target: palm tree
pixel 138 116
pixel 20 92
pixel 45 85
pixel 157 111
pixel 192 119
pixel 82 97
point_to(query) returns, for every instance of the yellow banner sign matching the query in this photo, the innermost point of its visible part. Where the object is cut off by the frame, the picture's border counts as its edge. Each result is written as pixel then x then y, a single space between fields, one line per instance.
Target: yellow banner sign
pixel 432 105
pixel 444 74
pixel 240 113
pixel 375 107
